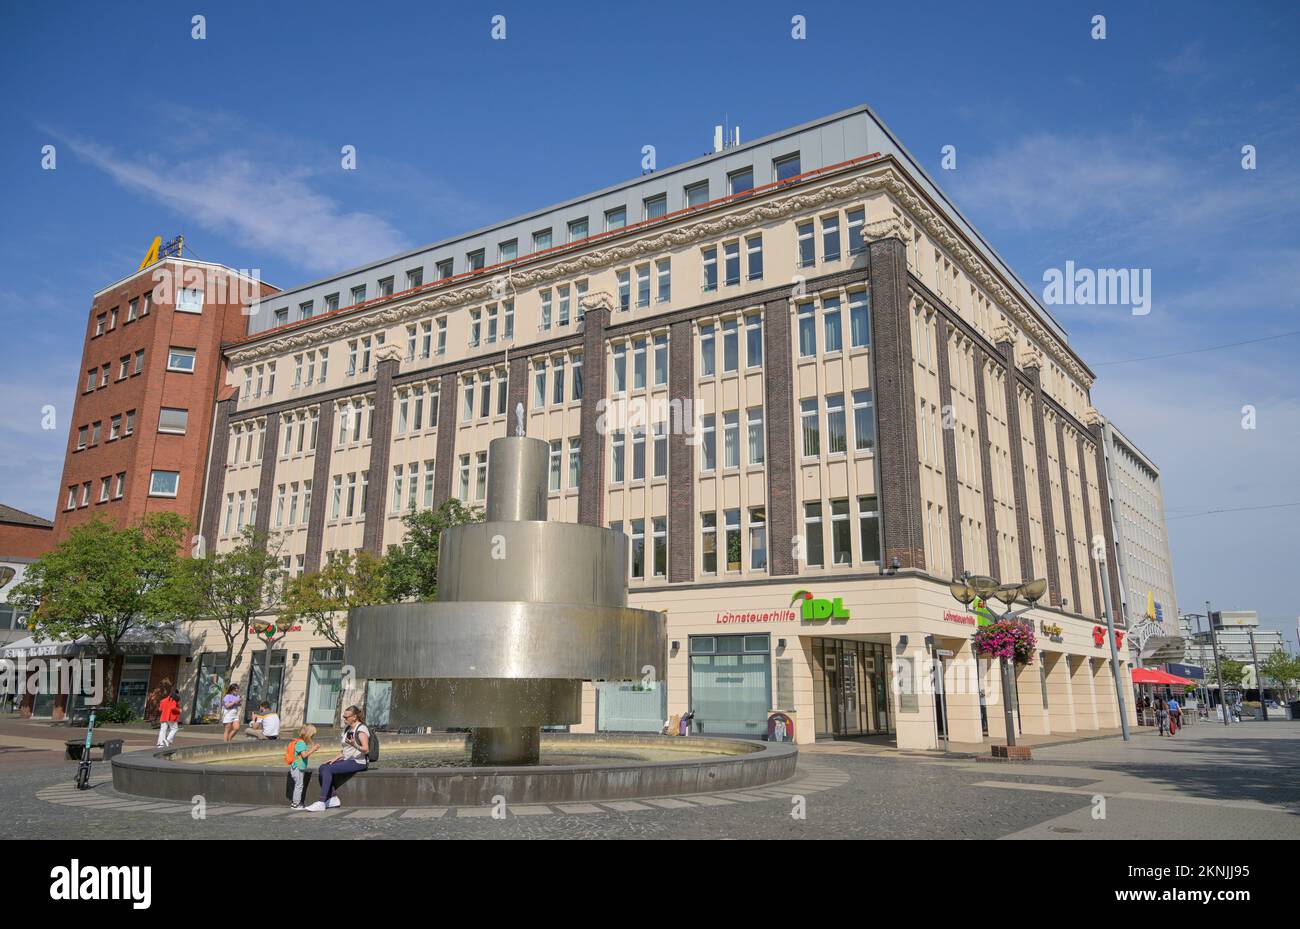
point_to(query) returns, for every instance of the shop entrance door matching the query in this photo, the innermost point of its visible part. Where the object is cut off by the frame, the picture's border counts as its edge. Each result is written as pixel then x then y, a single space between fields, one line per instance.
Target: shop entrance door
pixel 854 688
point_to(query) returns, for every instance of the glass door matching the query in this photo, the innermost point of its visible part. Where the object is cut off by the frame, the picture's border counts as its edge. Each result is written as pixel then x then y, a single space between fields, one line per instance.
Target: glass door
pixel 324 676
pixel 256 692
pixel 133 688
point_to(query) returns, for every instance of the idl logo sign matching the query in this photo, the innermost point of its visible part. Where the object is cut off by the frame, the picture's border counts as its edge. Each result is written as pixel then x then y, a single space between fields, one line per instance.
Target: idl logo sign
pixel 819 608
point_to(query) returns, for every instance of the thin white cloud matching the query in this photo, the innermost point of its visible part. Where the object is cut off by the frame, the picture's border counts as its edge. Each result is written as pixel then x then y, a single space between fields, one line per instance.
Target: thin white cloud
pixel 267 208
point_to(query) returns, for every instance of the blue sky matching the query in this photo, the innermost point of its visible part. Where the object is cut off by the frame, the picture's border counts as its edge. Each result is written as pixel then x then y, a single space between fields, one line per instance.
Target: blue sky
pixel 1120 153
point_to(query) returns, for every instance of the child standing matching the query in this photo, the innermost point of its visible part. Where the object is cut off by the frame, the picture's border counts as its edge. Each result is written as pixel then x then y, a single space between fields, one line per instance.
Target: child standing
pixel 303 747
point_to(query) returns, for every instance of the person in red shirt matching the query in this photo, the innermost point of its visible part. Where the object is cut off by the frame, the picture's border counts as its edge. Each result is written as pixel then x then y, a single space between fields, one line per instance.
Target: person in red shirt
pixel 170 719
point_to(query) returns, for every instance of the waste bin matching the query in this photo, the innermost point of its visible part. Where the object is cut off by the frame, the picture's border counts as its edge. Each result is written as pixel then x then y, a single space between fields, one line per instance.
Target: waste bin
pixel 112 747
pixel 1295 709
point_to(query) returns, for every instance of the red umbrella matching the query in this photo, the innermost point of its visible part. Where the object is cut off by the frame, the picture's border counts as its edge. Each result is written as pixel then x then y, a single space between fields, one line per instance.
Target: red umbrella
pixel 1156 676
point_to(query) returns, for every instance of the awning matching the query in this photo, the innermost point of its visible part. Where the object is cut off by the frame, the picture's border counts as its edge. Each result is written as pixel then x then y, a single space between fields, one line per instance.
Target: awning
pixel 1156 676
pixel 1163 648
pixel 137 641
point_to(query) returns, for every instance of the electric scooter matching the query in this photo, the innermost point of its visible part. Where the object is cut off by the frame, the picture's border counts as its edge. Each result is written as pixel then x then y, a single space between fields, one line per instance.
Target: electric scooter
pixel 83 768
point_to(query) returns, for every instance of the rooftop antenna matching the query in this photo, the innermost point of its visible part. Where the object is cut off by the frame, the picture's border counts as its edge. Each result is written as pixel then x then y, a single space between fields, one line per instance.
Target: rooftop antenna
pixel 723 135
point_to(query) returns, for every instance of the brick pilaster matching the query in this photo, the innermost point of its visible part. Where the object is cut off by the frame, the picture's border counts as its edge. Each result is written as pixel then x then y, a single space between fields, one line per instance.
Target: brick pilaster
pixel 381 448
pixel 444 463
pixel 517 390
pixel 1017 463
pixel 986 464
pixel 320 486
pixel 1045 490
pixel 898 459
pixel 591 494
pixel 948 418
pixel 266 476
pixel 211 525
pixel 681 453
pixel 1067 505
pixel 1107 525
pixel 1087 528
pixel 778 413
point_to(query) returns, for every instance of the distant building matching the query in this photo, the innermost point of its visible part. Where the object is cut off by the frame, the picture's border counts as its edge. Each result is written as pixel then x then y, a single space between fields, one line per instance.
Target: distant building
pixel 23 539
pixel 1146 569
pixel 151 368
pixel 1234 630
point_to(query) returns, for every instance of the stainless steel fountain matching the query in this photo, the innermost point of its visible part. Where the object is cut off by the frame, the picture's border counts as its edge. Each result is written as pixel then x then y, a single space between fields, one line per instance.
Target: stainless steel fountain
pixel 527 610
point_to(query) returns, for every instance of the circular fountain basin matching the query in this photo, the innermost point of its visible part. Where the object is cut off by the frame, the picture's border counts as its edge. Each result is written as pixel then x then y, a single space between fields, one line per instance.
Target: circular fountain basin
pixel 434 770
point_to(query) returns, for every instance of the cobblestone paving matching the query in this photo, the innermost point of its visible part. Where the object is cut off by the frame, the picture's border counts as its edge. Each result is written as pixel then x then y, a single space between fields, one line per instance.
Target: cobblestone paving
pixel 1238 783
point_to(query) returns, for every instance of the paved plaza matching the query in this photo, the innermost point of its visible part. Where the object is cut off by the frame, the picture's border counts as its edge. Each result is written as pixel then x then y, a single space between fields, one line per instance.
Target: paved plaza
pixel 1208 782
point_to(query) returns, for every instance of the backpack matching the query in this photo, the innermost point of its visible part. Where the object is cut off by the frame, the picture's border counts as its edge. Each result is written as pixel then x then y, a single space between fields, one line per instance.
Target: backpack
pixel 290 755
pixel 373 753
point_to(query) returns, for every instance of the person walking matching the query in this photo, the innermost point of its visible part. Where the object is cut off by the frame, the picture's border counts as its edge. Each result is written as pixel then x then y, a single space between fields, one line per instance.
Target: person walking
pixel 1175 715
pixel 353 758
pixel 169 719
pixel 230 704
pixel 304 746
pixel 1162 716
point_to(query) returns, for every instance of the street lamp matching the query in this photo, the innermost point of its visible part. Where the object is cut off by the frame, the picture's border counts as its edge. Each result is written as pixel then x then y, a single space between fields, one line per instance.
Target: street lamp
pixel 970 586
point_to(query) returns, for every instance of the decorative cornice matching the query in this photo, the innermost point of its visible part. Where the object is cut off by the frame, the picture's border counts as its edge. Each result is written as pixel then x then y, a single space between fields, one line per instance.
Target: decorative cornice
pixel 885 179
pixel 1003 332
pixel 1029 357
pixel 1092 417
pixel 598 300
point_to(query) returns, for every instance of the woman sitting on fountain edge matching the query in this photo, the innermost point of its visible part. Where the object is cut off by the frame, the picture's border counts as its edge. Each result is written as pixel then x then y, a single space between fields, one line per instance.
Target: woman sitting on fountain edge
pixel 354 758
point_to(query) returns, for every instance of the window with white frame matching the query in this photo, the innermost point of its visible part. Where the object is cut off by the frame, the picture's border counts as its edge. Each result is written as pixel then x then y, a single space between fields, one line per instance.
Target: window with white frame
pixel 164 483
pixel 864 421
pixel 807 245
pixel 811 431
pixel 757 438
pixel 814 543
pixel 709 543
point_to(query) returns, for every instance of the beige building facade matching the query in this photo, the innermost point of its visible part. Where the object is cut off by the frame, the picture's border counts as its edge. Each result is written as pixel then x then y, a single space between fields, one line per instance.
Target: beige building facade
pixel 789 371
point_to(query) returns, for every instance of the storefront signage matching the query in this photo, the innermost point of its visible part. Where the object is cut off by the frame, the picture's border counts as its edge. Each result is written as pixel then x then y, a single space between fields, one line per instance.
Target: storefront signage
pixel 1053 631
pixel 1099 637
pixel 270 630
pixel 816 609
pixel 964 618
pixel 756 616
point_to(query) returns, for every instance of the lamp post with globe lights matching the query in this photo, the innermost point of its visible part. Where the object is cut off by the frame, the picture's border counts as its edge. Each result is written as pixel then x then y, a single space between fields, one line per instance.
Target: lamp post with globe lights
pixel 972 586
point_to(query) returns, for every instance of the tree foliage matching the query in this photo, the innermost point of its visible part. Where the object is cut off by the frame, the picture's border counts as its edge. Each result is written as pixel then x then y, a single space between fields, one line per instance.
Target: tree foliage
pixel 105 582
pixel 1234 672
pixel 322 598
pixel 412 567
pixel 1282 669
pixel 233 588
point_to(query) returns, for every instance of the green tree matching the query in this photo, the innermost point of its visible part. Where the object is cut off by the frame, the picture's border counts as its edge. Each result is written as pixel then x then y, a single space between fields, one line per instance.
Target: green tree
pixel 233 589
pixel 323 598
pixel 105 582
pixel 1234 672
pixel 1283 670
pixel 411 569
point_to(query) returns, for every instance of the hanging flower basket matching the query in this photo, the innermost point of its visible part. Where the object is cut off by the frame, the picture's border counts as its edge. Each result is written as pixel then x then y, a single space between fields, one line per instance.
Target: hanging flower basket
pixel 1004 639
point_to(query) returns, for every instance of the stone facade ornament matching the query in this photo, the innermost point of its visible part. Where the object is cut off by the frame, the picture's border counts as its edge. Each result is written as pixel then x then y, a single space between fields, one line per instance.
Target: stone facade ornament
pixel 1029 357
pixel 598 300
pixel 881 179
